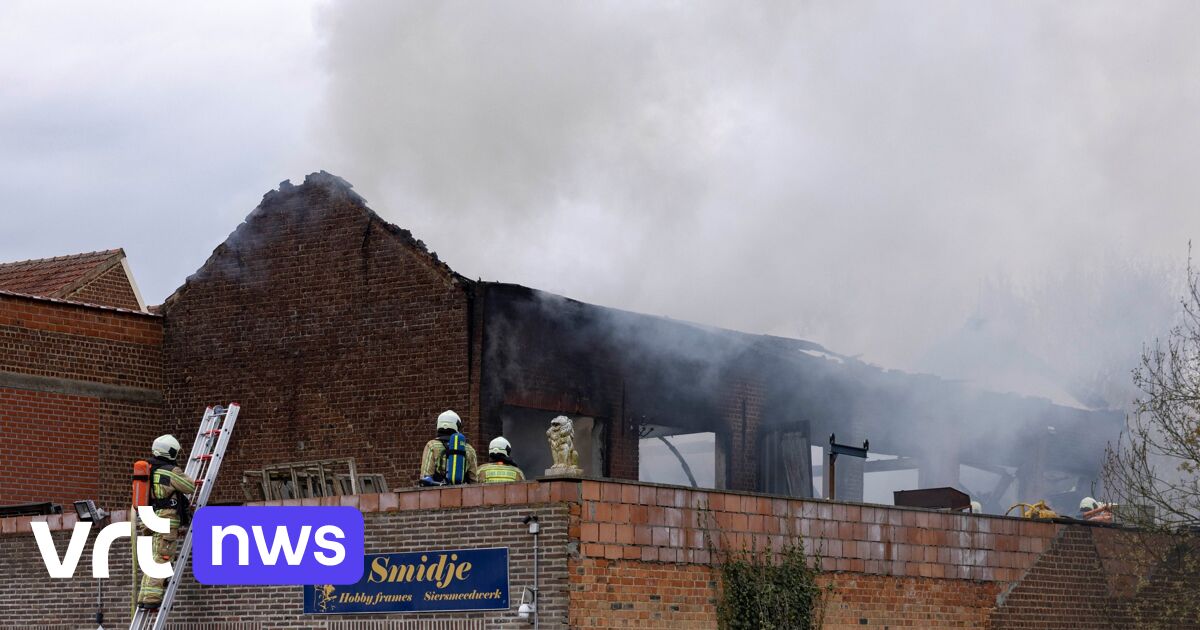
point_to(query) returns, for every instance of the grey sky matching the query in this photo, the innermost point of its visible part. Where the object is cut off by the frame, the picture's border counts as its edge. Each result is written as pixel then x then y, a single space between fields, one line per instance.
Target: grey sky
pixel 851 172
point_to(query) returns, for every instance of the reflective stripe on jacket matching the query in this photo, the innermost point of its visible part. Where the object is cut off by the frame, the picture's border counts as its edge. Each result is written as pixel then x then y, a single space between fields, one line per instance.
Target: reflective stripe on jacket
pixel 432 464
pixel 168 480
pixel 500 473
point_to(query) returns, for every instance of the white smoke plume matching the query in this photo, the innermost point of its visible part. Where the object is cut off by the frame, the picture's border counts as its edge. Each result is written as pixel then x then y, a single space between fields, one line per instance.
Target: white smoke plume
pixel 863 174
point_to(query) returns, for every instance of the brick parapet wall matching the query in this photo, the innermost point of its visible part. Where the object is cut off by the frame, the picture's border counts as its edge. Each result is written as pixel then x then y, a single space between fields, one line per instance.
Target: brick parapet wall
pixel 628 554
pixel 670 524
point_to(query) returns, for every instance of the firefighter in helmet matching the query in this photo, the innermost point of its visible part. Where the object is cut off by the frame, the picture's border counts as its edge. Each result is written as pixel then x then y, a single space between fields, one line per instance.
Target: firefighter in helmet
pixel 169 492
pixel 449 452
pixel 501 468
pixel 1093 510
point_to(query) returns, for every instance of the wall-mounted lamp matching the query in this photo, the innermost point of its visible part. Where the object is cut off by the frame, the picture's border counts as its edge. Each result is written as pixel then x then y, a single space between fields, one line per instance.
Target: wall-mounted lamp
pixel 88 512
pixel 528 607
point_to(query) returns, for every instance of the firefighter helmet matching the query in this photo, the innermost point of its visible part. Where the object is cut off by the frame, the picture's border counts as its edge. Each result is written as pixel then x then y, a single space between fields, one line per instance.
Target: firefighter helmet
pixel 500 446
pixel 449 420
pixel 1088 504
pixel 166 446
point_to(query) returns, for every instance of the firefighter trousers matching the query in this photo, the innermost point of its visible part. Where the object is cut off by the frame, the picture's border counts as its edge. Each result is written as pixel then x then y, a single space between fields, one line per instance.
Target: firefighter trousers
pixel 152 589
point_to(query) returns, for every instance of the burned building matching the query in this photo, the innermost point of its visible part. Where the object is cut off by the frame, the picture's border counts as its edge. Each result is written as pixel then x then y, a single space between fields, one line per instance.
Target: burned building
pixel 767 401
pixel 344 336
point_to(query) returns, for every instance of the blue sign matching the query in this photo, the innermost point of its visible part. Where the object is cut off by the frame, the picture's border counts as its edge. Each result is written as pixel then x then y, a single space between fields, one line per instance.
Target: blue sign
pixel 423 581
pixel 277 545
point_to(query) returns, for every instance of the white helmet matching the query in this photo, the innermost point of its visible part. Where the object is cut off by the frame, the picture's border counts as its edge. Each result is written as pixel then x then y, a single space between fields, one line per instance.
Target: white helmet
pixel 1088 504
pixel 166 446
pixel 449 420
pixel 500 446
pixel 976 507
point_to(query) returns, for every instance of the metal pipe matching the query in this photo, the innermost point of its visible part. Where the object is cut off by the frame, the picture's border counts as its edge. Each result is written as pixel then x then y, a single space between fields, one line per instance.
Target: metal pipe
pixel 537 595
pixel 832 476
pixel 535 529
pixel 100 603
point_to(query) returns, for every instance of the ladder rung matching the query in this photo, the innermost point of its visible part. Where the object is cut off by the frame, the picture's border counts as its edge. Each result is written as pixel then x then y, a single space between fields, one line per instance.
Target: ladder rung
pixel 203 457
pixel 213 432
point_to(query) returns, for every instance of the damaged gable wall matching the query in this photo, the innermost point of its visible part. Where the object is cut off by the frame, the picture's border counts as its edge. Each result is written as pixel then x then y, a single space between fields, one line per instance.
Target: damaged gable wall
pixel 339 334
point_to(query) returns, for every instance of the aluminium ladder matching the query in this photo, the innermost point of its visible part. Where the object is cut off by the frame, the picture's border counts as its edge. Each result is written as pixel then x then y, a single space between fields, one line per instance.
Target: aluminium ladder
pixel 205 461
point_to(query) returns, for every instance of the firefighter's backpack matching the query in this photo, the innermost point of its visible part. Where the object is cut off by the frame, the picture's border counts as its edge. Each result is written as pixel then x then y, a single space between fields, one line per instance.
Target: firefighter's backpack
pixel 454 457
pixel 175 500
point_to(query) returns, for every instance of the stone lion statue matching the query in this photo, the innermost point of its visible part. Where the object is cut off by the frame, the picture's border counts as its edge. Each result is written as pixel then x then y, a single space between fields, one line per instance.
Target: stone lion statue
pixel 561 436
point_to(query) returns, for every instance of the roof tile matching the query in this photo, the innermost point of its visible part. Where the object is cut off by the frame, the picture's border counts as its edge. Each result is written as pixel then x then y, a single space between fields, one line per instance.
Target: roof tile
pixel 48 277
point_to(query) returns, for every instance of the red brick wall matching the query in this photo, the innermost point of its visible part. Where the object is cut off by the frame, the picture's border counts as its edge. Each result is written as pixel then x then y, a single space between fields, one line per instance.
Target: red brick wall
pixel 1070 571
pixel 61 446
pixel 621 555
pixel 48 445
pixel 338 333
pixel 76 341
pixel 631 593
pixel 110 288
pixel 635 594
pixel 126 433
pixel 663 523
pixel 876 601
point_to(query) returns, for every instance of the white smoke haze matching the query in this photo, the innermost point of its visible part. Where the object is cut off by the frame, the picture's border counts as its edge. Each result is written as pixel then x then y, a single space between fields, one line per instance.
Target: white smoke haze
pixel 869 175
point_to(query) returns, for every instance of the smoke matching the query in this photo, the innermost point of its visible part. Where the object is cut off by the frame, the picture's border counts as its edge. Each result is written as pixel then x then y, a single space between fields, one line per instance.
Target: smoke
pixel 869 175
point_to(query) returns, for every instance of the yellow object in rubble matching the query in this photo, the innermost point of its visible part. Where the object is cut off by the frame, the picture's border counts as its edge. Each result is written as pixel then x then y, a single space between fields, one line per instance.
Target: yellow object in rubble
pixel 1035 510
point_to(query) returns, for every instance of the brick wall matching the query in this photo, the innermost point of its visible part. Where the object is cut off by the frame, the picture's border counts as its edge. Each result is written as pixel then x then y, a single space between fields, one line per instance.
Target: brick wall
pixel 80 399
pixel 49 447
pixel 891 567
pixel 59 339
pixel 1069 572
pixel 742 411
pixel 472 517
pixel 339 334
pixel 110 288
pixel 620 555
pixel 630 593
pixel 876 601
pixel 664 523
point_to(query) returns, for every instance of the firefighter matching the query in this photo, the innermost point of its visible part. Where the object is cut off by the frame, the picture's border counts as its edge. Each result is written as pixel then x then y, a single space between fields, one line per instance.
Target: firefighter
pixel 169 492
pixel 501 468
pixel 438 463
pixel 1093 510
